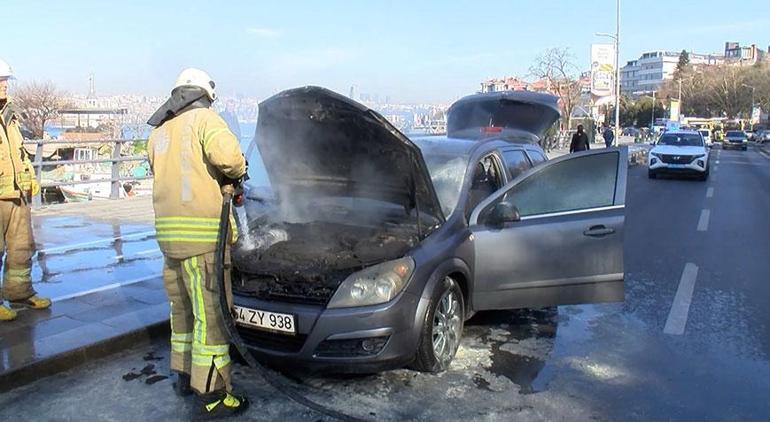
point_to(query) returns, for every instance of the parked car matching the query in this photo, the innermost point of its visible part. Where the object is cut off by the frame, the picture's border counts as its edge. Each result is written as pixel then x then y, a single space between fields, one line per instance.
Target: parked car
pixel 679 153
pixel 376 247
pixel 706 134
pixel 735 139
pixel 762 136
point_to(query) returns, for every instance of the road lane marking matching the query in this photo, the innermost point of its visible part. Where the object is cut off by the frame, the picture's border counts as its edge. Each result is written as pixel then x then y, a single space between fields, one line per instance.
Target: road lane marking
pixel 107 287
pixel 764 154
pixel 709 192
pixel 717 161
pixel 94 242
pixel 677 316
pixel 703 222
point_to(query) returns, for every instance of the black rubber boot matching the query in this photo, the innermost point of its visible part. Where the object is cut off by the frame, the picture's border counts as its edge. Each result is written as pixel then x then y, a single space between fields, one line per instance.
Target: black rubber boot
pixel 218 405
pixel 182 384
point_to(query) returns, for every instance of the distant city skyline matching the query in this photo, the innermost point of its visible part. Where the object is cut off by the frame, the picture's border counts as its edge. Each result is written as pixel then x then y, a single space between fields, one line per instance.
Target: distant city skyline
pixel 429 52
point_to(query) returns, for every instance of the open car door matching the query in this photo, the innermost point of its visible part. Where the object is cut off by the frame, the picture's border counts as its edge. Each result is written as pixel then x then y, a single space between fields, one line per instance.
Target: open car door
pixel 553 235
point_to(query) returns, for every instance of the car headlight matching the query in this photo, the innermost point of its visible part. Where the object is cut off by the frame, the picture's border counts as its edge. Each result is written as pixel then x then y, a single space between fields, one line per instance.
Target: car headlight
pixel 377 284
pixel 698 156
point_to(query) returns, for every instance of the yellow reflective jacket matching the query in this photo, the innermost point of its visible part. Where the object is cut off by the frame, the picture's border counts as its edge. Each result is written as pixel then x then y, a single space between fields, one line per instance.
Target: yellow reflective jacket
pixel 17 175
pixel 190 156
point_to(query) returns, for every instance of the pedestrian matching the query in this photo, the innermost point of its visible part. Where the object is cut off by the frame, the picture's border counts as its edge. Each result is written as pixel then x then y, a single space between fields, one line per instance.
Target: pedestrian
pixel 17 186
pixel 608 136
pixel 192 154
pixel 579 141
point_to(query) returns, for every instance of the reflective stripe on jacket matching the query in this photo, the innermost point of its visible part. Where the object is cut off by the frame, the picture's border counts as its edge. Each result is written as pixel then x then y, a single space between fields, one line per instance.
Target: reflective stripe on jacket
pixel 17 174
pixel 190 156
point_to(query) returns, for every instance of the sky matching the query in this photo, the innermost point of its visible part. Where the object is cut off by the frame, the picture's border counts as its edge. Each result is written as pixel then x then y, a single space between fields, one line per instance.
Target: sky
pixel 411 51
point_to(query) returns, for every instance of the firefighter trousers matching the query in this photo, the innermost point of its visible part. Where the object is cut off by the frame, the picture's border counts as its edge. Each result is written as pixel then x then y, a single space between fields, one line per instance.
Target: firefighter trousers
pixel 17 244
pixel 199 340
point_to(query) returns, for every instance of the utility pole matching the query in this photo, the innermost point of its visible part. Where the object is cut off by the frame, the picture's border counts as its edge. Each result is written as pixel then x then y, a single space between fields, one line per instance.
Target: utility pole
pixel 617 72
pixel 652 120
pixel 751 112
pixel 616 39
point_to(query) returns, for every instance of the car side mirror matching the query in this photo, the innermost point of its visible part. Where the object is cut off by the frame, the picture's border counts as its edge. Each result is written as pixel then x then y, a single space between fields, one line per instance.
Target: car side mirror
pixel 503 212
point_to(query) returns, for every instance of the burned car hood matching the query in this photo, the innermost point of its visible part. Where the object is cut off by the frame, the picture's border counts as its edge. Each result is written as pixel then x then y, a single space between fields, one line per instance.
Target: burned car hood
pixel 314 141
pixel 501 114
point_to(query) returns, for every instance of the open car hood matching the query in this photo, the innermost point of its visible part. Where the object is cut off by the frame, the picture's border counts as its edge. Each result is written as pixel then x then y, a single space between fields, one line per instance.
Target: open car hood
pixel 501 114
pixel 316 142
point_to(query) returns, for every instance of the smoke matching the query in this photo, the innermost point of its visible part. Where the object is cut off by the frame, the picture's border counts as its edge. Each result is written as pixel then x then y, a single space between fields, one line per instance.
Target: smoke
pixel 341 194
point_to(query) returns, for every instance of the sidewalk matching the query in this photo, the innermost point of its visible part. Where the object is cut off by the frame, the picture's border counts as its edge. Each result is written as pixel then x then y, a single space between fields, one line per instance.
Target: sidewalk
pixel 100 264
pixel 79 329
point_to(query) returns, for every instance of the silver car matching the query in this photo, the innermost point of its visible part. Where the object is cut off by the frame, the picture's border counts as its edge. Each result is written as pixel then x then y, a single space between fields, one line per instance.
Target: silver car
pixel 374 248
pixel 735 139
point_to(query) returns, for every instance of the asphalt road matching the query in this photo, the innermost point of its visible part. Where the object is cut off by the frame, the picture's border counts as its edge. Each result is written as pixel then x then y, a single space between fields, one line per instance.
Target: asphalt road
pixel 691 341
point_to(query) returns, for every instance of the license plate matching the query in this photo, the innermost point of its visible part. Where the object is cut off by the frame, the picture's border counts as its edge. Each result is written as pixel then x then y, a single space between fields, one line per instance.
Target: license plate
pixel 264 320
pixel 677 166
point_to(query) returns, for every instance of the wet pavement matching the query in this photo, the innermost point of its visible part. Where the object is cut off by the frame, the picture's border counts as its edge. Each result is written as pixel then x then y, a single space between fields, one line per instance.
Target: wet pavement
pixel 587 362
pixel 86 246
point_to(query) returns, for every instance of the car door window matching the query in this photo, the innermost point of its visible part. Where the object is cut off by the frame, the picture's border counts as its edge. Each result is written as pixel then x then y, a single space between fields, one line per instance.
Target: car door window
pixel 487 179
pixel 579 183
pixel 536 157
pixel 516 162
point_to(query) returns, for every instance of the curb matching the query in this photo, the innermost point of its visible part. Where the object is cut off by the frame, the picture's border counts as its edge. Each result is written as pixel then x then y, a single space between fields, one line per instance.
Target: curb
pixel 75 357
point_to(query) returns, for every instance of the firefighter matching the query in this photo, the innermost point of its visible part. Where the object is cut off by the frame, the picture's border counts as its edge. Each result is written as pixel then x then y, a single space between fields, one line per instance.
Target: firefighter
pixel 193 154
pixel 17 185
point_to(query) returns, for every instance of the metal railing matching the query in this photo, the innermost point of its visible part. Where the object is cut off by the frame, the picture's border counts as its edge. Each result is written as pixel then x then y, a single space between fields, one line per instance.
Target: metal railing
pixel 114 161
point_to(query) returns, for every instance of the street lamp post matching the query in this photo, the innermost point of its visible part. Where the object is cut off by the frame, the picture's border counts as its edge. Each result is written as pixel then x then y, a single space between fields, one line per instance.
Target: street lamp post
pixel 616 38
pixel 751 112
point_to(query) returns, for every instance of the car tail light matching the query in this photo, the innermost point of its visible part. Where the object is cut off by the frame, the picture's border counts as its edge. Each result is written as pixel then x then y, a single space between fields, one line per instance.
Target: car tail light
pixel 491 129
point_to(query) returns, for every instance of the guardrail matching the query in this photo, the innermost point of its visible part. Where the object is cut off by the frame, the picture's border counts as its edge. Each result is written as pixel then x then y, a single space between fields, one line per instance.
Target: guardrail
pixel 115 161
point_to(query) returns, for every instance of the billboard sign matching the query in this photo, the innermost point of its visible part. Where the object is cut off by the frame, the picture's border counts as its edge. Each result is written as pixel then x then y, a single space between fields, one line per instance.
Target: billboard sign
pixel 756 115
pixel 602 70
pixel 675 115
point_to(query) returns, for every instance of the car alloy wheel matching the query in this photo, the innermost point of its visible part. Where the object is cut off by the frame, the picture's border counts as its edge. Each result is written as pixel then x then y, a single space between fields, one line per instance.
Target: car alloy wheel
pixel 447 326
pixel 442 327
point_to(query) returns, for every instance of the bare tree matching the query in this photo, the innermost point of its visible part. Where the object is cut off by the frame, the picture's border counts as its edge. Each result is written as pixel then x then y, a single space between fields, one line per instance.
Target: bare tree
pixel 38 103
pixel 557 68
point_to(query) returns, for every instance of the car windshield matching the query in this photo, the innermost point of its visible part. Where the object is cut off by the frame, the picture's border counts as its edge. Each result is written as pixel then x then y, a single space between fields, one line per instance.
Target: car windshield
pixel 681 140
pixel 447 161
pixel 735 133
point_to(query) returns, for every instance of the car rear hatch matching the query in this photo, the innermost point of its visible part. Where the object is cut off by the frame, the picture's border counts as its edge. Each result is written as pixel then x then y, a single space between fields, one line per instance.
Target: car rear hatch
pixel 502 114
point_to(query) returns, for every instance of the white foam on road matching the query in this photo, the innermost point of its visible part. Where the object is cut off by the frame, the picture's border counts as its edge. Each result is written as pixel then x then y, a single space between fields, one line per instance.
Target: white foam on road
pixel 680 309
pixel 709 192
pixel 703 221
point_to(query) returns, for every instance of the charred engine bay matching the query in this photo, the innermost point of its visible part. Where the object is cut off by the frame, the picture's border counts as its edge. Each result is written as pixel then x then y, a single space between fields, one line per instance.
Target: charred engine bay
pixel 314 258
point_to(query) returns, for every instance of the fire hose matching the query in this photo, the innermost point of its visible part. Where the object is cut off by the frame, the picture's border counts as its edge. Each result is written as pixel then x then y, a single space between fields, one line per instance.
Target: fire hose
pixel 228 193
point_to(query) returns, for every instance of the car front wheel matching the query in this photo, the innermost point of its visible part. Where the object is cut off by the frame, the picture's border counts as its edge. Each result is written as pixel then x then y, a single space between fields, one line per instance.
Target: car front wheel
pixel 442 328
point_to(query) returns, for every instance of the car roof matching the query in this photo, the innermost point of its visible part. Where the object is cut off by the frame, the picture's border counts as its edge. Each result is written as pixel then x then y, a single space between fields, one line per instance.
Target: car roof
pixel 460 146
pixel 682 132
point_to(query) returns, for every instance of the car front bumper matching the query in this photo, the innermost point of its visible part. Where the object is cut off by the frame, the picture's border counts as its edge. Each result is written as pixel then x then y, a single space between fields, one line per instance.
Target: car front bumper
pixel 692 168
pixel 733 144
pixel 330 340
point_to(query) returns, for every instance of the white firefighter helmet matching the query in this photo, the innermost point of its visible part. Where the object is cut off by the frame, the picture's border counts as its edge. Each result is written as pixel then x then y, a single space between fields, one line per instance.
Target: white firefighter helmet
pixel 199 78
pixel 5 70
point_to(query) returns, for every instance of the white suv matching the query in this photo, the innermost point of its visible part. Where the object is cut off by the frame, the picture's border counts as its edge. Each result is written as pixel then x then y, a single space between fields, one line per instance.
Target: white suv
pixel 706 136
pixel 679 152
